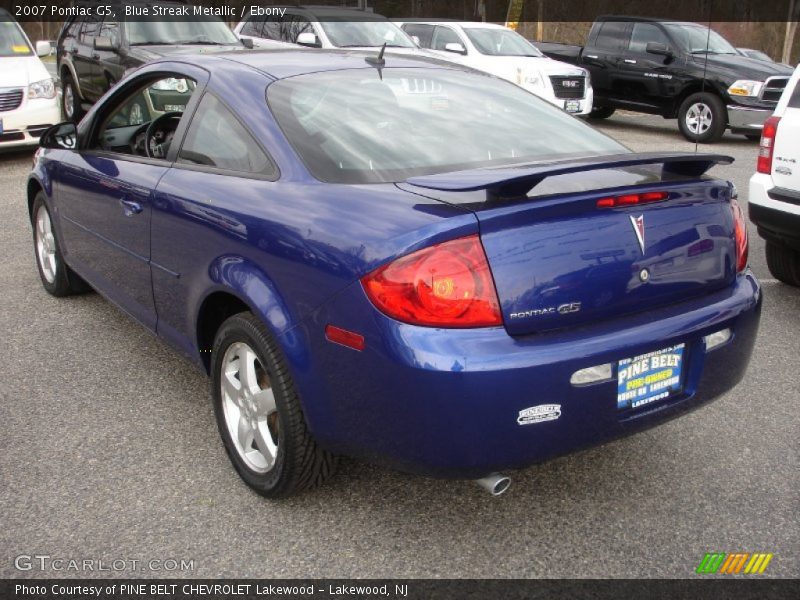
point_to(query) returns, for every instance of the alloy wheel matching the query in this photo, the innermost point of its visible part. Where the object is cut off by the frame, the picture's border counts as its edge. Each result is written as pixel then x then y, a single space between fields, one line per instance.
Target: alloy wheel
pixel 46 245
pixel 69 101
pixel 699 118
pixel 248 403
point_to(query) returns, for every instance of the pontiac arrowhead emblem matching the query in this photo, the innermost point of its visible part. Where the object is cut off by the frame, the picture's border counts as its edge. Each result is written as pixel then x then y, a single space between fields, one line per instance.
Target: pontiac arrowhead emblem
pixel 638 228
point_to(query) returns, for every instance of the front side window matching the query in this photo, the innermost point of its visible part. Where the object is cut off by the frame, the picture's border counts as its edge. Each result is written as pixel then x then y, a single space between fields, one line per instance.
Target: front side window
pixel 110 30
pixel 423 32
pixel 217 139
pixel 299 25
pixel 613 35
pixel 356 127
pixel 644 33
pixel 500 42
pixel 350 34
pixel 12 42
pixel 443 36
pixel 253 27
pixel 89 30
pixel 124 128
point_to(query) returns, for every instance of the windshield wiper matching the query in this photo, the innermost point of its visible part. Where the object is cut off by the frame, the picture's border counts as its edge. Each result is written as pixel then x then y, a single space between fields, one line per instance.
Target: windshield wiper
pixel 200 43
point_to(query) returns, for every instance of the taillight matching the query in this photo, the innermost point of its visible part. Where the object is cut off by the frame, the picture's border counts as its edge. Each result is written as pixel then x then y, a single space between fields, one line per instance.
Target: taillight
pixel 447 285
pixel 767 145
pixel 740 233
pixel 631 199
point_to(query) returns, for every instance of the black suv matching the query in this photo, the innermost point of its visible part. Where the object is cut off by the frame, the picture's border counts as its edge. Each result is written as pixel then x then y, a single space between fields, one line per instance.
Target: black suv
pixel 94 52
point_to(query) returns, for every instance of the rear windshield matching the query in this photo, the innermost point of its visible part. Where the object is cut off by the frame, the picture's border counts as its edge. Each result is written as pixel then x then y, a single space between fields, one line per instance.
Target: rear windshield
pixel 12 42
pixel 362 126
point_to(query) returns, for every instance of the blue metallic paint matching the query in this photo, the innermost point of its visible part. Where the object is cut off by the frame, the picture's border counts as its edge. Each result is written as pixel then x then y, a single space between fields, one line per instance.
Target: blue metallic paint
pixel 431 400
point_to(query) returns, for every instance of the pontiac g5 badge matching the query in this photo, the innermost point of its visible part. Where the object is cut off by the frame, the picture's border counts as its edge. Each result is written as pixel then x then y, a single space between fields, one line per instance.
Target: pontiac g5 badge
pixel 638 228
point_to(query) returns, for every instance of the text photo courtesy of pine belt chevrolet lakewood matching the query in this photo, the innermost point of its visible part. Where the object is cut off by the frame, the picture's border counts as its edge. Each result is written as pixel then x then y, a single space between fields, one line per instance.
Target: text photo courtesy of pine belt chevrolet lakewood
pixel 398 259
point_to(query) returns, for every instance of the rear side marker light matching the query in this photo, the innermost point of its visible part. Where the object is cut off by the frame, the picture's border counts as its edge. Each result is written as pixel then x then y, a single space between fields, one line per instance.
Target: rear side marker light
pixel 767 145
pixel 717 339
pixel 337 335
pixel 740 233
pixel 631 199
pixel 446 285
pixel 591 375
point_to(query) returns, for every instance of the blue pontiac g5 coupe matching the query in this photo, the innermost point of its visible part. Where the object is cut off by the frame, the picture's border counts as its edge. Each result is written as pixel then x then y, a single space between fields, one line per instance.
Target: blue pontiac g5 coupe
pixel 398 259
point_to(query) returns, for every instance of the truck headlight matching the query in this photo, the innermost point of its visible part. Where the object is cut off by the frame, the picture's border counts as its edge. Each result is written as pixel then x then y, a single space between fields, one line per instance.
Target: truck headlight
pixel 45 88
pixel 745 87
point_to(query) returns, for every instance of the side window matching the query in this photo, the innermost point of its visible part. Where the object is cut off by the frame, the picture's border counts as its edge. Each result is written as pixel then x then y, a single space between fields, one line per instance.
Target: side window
pixel 253 27
pixel 443 36
pixel 299 25
pixel 644 33
pixel 423 32
pixel 272 28
pixel 217 139
pixel 124 127
pixel 613 35
pixel 794 99
pixel 110 30
pixel 89 30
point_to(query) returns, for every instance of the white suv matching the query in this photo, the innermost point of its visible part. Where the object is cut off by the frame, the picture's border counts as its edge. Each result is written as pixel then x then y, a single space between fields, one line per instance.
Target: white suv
pixel 503 52
pixel 28 103
pixel 774 200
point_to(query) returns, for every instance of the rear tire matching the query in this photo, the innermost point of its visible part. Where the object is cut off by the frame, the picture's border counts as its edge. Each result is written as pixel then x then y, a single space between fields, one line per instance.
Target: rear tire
pixel 784 263
pixel 259 415
pixel 702 118
pixel 57 278
pixel 602 112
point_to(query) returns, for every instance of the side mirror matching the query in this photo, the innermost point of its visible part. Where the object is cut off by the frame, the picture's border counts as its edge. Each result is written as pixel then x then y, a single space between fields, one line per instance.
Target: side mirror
pixel 455 47
pixel 247 43
pixel 104 43
pixel 308 39
pixel 63 136
pixel 657 48
pixel 43 48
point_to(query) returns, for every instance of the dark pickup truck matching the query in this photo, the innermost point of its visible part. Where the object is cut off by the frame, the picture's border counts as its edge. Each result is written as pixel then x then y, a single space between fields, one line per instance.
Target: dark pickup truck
pixel 676 70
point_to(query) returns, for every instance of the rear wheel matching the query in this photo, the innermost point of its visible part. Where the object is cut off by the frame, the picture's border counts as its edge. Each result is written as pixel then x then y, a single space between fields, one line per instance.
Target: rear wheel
pixel 259 414
pixel 784 263
pixel 57 278
pixel 702 118
pixel 70 99
pixel 601 112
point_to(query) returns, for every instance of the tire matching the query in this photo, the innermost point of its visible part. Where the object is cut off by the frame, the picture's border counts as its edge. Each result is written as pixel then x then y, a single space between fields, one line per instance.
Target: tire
pixel 263 428
pixel 57 278
pixel 70 99
pixel 784 263
pixel 602 112
pixel 702 118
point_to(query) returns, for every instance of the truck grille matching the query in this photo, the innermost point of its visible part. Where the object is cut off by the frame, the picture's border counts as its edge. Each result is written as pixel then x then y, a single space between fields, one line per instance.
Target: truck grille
pixel 568 87
pixel 773 88
pixel 10 99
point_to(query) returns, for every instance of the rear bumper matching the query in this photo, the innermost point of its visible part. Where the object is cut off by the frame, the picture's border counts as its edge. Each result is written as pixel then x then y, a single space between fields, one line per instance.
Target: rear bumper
pixel 775 214
pixel 446 402
pixel 743 118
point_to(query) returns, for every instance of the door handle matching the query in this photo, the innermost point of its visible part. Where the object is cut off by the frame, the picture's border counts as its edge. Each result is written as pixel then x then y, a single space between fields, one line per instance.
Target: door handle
pixel 630 61
pixel 592 56
pixel 130 207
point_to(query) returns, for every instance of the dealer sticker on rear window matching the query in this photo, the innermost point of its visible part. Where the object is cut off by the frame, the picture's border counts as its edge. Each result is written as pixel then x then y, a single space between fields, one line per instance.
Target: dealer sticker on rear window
pixel 649 377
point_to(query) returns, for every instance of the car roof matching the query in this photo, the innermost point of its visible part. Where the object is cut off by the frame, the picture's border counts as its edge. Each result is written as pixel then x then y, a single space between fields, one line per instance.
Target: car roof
pixel 463 24
pixel 290 62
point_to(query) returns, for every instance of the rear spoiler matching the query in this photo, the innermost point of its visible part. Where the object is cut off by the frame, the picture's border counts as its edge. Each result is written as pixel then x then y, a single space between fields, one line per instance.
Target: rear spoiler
pixel 512 182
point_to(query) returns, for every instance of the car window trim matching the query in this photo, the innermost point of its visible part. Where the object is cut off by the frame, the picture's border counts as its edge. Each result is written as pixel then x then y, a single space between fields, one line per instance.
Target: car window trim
pixel 275 173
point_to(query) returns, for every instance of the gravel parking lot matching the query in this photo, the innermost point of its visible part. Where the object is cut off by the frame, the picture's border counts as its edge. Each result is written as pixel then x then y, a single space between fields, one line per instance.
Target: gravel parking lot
pixel 109 450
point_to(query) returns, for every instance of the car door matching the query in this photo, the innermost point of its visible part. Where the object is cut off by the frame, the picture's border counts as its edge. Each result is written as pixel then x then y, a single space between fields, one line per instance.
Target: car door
pixel 105 192
pixel 602 55
pixel 85 59
pixel 644 78
pixel 202 213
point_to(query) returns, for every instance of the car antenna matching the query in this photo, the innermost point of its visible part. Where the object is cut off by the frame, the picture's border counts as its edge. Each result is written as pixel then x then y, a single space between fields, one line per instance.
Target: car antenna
pixel 378 61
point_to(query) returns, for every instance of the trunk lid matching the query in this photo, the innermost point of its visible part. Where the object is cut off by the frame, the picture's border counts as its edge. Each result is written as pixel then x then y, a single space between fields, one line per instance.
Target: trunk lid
pixel 560 261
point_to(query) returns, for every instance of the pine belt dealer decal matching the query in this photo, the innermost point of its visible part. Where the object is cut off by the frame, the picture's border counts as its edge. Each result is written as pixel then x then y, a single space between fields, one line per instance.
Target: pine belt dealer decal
pixel 539 414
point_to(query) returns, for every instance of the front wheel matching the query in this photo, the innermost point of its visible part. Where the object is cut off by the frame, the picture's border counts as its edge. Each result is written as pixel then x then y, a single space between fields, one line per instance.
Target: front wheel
pixel 259 415
pixel 601 112
pixel 784 263
pixel 70 99
pixel 702 118
pixel 57 278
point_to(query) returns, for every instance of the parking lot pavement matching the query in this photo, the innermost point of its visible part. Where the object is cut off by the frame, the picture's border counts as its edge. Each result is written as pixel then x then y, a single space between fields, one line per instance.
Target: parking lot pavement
pixel 108 450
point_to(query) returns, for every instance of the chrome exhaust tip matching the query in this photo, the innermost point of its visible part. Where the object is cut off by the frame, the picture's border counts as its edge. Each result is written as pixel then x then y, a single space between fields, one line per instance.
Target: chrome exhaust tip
pixel 496 484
